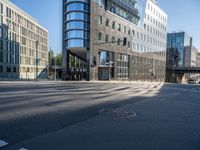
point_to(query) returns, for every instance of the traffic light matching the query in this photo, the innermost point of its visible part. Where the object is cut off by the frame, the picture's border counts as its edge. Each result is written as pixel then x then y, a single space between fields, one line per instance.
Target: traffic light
pixel 124 41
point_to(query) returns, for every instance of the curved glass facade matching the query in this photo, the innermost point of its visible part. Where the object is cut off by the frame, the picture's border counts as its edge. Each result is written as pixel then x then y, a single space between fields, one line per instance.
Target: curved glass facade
pixel 76 23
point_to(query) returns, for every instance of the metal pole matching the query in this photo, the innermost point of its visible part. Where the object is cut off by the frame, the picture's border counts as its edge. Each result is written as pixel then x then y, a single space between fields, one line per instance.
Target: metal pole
pixel 109 72
pixel 36 71
pixel 55 68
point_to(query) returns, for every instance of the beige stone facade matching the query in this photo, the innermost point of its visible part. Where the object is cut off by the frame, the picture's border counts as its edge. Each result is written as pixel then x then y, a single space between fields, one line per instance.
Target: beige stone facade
pixel 24 44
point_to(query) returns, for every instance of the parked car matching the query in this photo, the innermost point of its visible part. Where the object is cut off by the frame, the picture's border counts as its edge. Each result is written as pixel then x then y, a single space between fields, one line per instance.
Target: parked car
pixel 192 81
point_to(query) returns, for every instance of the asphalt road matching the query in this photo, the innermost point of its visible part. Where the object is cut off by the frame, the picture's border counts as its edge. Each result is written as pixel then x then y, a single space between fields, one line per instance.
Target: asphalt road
pixel 66 115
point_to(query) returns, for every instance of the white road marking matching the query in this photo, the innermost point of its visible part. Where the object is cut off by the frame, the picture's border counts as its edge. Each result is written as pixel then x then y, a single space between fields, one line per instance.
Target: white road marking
pixel 23 149
pixel 3 143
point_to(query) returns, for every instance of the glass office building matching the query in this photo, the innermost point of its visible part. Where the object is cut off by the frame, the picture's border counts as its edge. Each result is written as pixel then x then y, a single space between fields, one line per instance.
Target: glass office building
pixel 179 41
pixel 94 45
pixel 76 39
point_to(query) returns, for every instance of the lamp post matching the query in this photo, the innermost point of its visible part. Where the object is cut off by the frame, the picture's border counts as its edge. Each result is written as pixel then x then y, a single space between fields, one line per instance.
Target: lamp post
pixel 36 60
pixel 55 68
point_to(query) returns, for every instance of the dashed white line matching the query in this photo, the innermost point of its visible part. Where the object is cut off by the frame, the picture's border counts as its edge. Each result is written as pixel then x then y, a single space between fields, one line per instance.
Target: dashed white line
pixel 3 143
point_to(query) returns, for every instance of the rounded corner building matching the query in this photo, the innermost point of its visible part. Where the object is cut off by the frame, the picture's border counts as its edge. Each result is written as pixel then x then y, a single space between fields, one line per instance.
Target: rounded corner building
pixel 114 40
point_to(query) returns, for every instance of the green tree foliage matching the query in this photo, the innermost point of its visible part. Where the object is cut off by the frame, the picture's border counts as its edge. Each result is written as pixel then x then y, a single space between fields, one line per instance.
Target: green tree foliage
pixel 51 57
pixel 59 59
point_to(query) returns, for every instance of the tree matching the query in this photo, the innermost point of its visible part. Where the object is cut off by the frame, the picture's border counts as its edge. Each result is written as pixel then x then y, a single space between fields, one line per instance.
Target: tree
pixel 59 59
pixel 51 57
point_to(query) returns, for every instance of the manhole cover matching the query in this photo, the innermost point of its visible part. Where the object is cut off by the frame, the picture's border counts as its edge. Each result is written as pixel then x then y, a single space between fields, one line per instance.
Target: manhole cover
pixel 117 114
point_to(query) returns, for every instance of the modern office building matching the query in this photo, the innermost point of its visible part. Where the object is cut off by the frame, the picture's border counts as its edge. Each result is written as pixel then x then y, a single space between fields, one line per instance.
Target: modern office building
pixel 180 53
pixel 114 39
pixel 179 40
pixel 23 44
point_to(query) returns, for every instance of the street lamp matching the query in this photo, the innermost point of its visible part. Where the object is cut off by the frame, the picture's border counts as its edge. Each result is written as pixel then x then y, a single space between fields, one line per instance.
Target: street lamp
pixel 36 60
pixel 55 68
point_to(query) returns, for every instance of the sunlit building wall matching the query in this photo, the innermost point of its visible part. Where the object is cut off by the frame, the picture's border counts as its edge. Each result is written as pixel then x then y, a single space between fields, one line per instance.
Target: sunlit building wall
pixel 23 44
pixel 93 33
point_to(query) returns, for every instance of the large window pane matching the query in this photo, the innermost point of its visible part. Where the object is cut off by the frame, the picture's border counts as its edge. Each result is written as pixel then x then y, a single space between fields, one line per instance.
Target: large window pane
pixel 76 43
pixel 76 16
pixel 77 6
pixel 76 34
pixel 76 25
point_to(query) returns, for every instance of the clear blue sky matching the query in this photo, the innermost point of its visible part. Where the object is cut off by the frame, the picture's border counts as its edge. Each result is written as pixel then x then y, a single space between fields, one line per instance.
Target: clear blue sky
pixel 183 15
pixel 49 14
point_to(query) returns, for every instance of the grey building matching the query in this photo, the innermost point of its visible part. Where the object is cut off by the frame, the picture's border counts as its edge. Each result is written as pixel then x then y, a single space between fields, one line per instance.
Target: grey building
pixel 114 39
pixel 23 44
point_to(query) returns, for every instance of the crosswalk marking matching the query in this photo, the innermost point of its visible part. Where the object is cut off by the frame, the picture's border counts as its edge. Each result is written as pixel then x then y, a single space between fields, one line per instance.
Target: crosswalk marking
pixel 2 143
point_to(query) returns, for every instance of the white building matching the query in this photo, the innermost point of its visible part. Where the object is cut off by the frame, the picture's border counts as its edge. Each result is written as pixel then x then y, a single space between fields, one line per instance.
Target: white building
pixel 23 44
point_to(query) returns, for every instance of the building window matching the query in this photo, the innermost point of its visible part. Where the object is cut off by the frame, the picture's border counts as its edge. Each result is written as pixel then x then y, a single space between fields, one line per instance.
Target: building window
pixel 14 69
pixel 113 25
pixel 129 45
pixel 107 38
pixel 133 31
pixel 1 8
pixel 129 32
pixel 1 21
pixel 119 27
pixel 77 16
pixel 124 29
pixel 77 7
pixel 1 44
pixel 113 39
pixel 118 41
pixel 1 68
pixel 99 36
pixel 144 26
pixel 1 57
pixel 8 12
pixel 107 22
pixel 100 19
pixel 8 69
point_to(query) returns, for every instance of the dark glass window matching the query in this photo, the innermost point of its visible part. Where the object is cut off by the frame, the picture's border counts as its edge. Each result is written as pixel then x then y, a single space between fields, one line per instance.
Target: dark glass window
pixel 8 69
pixel 1 68
pixel 1 57
pixel 14 69
pixel 1 44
